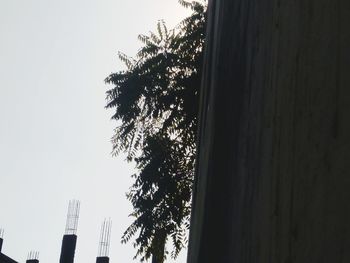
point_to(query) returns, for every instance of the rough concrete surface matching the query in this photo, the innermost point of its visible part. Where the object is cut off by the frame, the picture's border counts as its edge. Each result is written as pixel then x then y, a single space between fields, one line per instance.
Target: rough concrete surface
pixel 273 176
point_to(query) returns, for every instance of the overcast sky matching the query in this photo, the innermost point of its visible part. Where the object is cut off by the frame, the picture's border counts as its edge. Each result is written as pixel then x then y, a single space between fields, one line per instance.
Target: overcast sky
pixel 54 130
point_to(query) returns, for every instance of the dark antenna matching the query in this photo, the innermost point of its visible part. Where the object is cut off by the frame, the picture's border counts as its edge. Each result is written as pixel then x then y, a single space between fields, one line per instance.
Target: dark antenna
pixel 72 217
pixel 105 237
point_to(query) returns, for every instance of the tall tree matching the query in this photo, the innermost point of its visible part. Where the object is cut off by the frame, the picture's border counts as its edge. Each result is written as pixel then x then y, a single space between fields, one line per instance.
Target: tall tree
pixel 156 104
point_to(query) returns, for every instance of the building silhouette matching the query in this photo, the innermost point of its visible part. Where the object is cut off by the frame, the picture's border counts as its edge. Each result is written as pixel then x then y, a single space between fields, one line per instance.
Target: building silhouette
pixel 33 257
pixel 69 240
pixel 3 257
pixel 103 250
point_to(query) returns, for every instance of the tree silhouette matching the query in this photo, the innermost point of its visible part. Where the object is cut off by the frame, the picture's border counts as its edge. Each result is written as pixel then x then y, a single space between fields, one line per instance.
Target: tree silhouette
pixel 156 103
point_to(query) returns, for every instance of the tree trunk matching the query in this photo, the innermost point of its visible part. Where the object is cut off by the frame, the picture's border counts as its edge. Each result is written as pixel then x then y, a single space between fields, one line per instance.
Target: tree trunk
pixel 273 174
pixel 159 247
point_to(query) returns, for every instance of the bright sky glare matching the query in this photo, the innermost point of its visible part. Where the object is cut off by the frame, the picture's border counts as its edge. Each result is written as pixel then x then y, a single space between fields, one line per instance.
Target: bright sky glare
pixel 54 132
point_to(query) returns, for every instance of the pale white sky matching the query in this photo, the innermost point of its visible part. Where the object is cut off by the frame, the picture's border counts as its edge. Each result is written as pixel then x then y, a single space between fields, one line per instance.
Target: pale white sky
pixel 54 130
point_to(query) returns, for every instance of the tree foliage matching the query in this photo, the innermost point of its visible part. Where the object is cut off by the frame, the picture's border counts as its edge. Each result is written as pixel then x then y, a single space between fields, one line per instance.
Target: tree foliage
pixel 156 102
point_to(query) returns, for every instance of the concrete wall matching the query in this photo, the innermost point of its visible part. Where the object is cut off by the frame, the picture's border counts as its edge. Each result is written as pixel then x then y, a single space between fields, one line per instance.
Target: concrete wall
pixel 273 176
pixel 6 259
pixel 102 260
pixel 69 243
pixel 3 257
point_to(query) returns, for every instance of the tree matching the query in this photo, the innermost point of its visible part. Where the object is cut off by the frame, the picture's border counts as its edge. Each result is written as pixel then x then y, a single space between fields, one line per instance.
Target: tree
pixel 156 103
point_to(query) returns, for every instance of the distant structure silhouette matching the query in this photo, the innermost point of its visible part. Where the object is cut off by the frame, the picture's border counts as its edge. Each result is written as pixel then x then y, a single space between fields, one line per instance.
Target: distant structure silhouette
pixel 1 238
pixel 33 257
pixel 70 238
pixel 3 257
pixel 104 244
